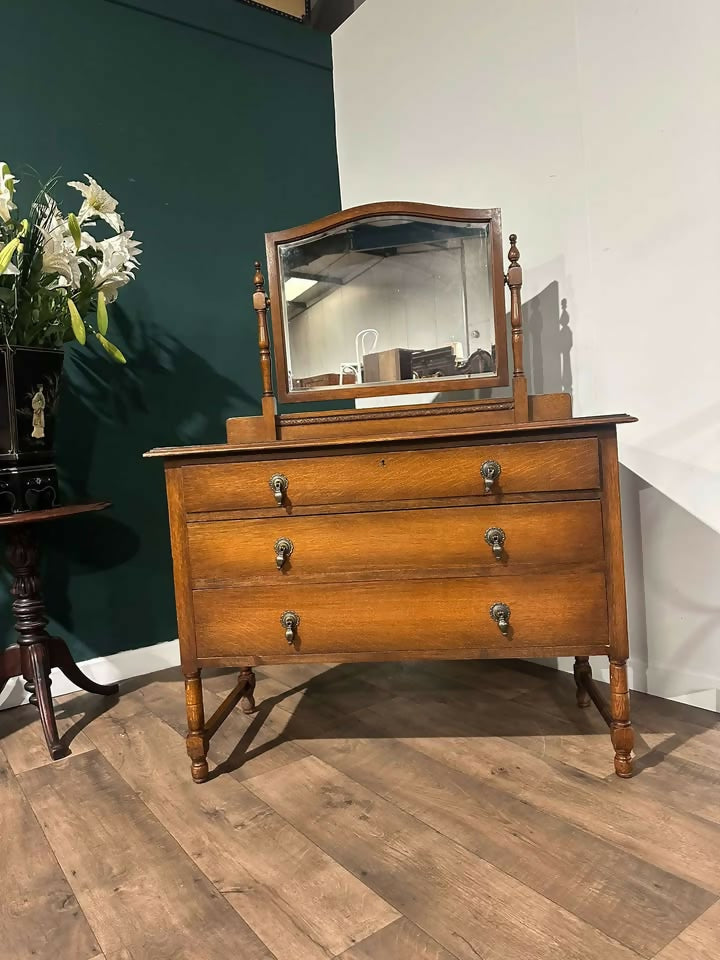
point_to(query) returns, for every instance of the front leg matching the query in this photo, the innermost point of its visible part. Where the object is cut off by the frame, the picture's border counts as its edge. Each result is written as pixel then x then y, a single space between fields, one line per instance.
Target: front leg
pixel 42 698
pixel 196 740
pixel 247 701
pixel 621 731
pixel 582 672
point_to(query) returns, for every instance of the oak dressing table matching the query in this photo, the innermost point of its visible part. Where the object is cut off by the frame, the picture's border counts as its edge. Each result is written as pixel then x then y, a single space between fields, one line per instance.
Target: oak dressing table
pixel 411 527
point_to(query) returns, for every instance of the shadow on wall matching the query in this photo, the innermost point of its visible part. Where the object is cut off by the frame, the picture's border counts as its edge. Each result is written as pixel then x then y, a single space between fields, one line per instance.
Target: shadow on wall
pixel 548 342
pixel 671 564
pixel 109 416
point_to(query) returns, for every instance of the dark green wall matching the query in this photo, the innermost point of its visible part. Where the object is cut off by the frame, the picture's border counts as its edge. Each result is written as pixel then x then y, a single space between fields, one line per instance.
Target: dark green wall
pixel 212 122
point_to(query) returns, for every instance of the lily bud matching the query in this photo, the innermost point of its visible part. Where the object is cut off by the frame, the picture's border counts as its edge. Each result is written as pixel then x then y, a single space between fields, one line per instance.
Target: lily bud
pixel 75 231
pixel 6 254
pixel 76 321
pixel 102 313
pixel 114 352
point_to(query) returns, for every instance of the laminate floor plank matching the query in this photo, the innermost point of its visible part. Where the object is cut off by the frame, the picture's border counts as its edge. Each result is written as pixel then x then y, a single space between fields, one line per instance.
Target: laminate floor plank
pixel 499 678
pixel 413 676
pixel 686 734
pixel 23 741
pixel 299 901
pixel 700 941
pixel 400 940
pixel 244 746
pixel 627 898
pixel 458 899
pixel 40 918
pixel 574 736
pixel 673 840
pixel 344 692
pixel 268 688
pixel 136 886
pixel 680 784
pixel 387 811
pixel 292 674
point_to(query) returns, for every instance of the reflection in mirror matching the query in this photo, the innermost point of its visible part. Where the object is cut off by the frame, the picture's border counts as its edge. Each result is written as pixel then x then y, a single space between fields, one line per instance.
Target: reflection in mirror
pixel 388 298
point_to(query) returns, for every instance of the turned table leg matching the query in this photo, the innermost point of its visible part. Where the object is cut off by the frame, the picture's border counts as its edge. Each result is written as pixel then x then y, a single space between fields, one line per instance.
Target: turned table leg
pixel 30 623
pixel 582 672
pixel 196 740
pixel 621 731
pixel 247 701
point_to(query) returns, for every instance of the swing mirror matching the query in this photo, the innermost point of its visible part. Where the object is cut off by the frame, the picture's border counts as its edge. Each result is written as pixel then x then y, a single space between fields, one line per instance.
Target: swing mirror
pixel 388 299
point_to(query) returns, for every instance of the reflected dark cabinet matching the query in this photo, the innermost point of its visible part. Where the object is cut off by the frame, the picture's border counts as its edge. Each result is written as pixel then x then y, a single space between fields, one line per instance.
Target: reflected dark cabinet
pixel 416 525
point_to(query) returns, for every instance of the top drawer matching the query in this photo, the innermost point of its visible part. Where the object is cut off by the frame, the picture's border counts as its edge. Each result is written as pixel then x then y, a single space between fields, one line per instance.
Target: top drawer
pixel 533 467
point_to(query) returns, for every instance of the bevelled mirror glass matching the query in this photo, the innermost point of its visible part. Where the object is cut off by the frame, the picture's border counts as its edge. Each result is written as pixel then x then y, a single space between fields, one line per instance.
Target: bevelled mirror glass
pixel 390 302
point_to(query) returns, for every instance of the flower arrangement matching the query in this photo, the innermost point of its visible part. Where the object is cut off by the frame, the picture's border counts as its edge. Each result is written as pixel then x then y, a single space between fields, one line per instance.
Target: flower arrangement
pixel 54 274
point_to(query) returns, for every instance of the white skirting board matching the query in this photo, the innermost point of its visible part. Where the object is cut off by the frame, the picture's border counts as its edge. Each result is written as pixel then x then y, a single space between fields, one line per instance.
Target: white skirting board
pixel 112 669
pixel 668 682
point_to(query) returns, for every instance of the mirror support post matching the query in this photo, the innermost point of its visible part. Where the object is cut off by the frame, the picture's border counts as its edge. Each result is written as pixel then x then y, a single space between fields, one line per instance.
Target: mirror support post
pixel 519 381
pixel 260 305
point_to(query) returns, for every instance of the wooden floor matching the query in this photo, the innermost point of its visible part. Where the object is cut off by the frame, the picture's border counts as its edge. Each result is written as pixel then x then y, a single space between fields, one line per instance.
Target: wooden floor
pixel 369 812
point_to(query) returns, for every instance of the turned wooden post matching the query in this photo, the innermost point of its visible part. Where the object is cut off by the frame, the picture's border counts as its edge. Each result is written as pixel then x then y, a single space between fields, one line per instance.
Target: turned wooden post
pixel 582 672
pixel 196 740
pixel 621 731
pixel 260 305
pixel 247 701
pixel 514 282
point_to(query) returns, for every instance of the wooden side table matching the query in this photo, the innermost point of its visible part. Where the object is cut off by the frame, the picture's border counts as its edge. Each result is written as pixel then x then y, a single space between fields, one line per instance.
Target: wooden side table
pixel 36 652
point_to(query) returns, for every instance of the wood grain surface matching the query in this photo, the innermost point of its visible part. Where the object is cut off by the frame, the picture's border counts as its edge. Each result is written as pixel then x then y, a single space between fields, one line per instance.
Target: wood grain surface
pixel 136 886
pixel 394 475
pixel 40 918
pixel 399 811
pixel 397 544
pixel 557 609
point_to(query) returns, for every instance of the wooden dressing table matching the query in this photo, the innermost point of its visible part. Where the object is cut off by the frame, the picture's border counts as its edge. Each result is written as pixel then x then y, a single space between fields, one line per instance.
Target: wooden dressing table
pixel 458 529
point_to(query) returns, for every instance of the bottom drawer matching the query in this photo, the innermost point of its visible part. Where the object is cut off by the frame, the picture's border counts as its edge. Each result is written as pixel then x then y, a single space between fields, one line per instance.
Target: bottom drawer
pixel 553 610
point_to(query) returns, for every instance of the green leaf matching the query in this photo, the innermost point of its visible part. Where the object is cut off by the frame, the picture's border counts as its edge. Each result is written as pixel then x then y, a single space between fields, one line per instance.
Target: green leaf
pixel 78 327
pixel 75 231
pixel 102 314
pixel 111 349
pixel 6 254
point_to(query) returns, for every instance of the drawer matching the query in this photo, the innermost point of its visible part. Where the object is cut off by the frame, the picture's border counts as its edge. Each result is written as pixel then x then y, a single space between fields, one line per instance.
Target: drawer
pixel 535 467
pixel 385 543
pixel 546 611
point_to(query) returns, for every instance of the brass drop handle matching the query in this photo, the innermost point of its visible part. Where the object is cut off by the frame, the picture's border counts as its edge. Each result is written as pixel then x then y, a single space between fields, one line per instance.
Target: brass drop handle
pixel 500 613
pixel 279 484
pixel 490 471
pixel 290 621
pixel 495 538
pixel 283 549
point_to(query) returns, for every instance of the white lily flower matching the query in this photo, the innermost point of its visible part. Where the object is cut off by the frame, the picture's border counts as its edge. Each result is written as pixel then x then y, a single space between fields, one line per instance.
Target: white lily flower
pixel 119 260
pixel 59 253
pixel 7 188
pixel 97 202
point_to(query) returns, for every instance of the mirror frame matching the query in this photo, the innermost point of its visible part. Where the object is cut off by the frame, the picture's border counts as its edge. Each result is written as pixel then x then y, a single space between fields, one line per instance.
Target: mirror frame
pixel 500 378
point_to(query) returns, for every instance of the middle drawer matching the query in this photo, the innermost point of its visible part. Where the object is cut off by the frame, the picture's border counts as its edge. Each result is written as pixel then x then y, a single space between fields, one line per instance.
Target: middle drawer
pixel 369 546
